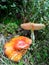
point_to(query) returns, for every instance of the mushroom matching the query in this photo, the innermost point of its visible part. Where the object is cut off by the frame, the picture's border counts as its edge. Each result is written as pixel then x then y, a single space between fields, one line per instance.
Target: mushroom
pixel 32 26
pixel 17 47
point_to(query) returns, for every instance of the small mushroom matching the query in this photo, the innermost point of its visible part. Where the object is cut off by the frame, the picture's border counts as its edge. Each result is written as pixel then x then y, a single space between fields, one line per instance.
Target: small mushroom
pixel 32 26
pixel 17 47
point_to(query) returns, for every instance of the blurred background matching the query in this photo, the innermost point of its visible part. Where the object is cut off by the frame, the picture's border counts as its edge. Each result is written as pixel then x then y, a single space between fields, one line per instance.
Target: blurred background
pixel 15 12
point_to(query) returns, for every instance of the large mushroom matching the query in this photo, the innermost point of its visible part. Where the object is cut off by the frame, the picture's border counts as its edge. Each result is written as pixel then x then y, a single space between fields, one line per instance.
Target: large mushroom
pixel 33 26
pixel 17 47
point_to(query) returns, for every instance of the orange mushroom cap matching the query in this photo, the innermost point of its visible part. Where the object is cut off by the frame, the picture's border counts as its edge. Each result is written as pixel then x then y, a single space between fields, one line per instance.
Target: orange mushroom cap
pixel 33 26
pixel 17 47
pixel 22 43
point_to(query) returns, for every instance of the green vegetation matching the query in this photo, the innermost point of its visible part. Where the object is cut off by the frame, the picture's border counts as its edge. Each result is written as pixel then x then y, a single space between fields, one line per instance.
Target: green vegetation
pixel 15 12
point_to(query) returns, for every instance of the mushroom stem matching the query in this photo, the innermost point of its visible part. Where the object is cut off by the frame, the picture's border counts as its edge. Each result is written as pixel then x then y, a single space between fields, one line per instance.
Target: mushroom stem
pixel 33 37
